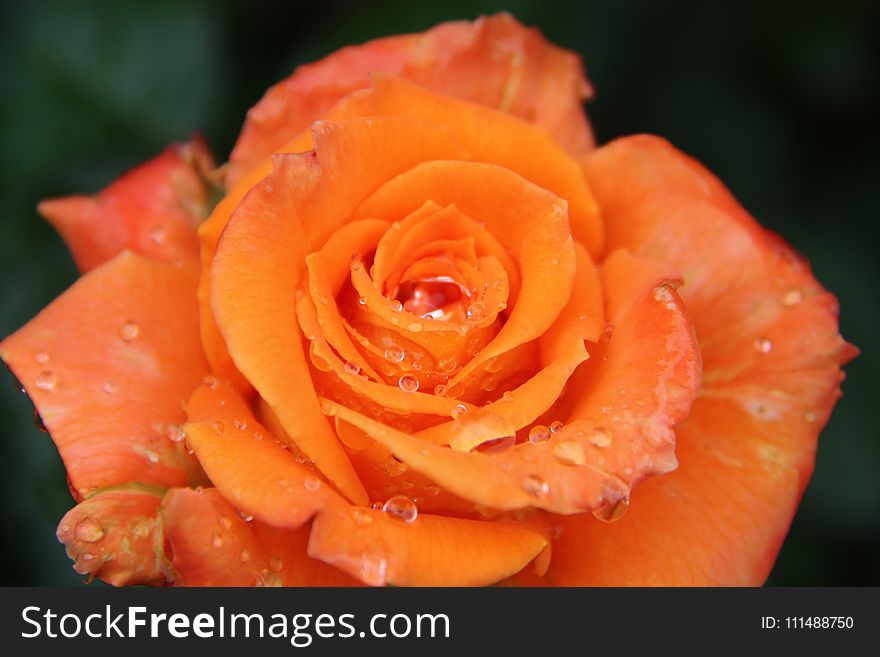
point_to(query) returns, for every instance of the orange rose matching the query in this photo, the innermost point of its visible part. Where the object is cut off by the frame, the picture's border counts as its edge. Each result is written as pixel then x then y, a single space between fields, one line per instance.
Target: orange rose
pixel 430 336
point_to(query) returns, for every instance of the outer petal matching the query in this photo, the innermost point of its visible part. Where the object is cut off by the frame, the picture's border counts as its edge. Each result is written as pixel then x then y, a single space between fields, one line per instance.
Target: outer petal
pixel 772 357
pixel 109 365
pixel 154 210
pixel 115 536
pixel 212 545
pixel 248 467
pixel 432 551
pixel 493 61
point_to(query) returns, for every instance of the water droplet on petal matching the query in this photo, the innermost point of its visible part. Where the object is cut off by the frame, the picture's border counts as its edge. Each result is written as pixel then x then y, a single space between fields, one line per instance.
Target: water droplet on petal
pixel 507 396
pixel 498 284
pixel 538 434
pixel 312 483
pixel 130 331
pixel 46 380
pixel 225 522
pixel 763 345
pixel 600 437
pixel 373 570
pixel 276 564
pixel 440 390
pixel 535 486
pixel 217 541
pixel 362 301
pixel 247 517
pixel 362 517
pixel 556 426
pixel 458 411
pixel 109 388
pixel 41 357
pixel 792 298
pixel 408 383
pixel 569 452
pixel 394 354
pixel 239 424
pixel 447 364
pixel 218 426
pixel 401 508
pixel 612 512
pixel 38 422
pixel 209 381
pixel 89 530
pixel 476 312
pixel 352 368
pixel 396 305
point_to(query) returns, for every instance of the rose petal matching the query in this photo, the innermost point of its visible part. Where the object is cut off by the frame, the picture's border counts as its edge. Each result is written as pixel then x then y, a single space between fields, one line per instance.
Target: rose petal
pixel 249 468
pixel 154 210
pixel 114 535
pixel 109 365
pixel 746 452
pixel 494 61
pixel 432 551
pixel 212 545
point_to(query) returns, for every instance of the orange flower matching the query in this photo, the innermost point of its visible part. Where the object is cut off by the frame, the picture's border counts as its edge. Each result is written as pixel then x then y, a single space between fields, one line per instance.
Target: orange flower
pixel 429 336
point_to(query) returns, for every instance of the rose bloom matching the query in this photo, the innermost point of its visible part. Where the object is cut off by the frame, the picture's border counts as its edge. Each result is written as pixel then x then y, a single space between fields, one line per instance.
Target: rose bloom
pixel 431 335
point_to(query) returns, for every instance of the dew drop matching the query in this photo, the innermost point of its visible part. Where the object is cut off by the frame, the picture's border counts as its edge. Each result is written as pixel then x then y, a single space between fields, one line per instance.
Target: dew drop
pixel 535 486
pixel 447 364
pixel 209 381
pixel 247 517
pixel 362 301
pixel 152 456
pixel 373 570
pixel 275 564
pixel 792 298
pixel 362 517
pixel 239 424
pixel 394 354
pixel 458 411
pixel 217 542
pixel 408 383
pixel 396 305
pixel 218 426
pixel 498 284
pixel 440 390
pixel 415 327
pixel 312 483
pixel 38 422
pixel 538 434
pixel 400 507
pixel 476 312
pixel 763 345
pixel 432 490
pixel 46 380
pixel 130 331
pixel 225 522
pixel 41 357
pixel 89 530
pixel 569 452
pixel 600 437
pixel 612 512
pixel 352 368
pixel 376 505
pixel 507 396
pixel 556 426
pixel 109 388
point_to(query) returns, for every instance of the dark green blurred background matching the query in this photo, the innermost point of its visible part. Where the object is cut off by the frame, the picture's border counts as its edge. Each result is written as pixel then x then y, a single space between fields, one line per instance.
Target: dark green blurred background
pixel 781 100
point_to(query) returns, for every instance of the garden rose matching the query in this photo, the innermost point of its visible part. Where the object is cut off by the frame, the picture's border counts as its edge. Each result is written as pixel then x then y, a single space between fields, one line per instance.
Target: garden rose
pixel 429 336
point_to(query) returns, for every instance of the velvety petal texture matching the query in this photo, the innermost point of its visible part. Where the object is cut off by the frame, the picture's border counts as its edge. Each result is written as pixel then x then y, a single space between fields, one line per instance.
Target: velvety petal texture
pixel 429 336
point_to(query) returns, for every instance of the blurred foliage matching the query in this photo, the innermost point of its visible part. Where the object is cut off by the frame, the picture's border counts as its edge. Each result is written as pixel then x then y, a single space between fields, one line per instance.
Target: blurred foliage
pixel 779 99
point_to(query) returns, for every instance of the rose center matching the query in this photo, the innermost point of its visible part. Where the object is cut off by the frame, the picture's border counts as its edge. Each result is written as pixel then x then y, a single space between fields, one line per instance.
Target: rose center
pixel 439 297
